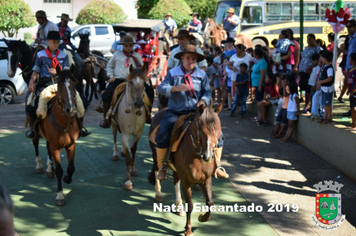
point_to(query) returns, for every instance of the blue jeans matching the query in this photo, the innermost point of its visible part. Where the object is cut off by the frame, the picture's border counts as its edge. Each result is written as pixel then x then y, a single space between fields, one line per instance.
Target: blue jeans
pixel 243 97
pixel 316 103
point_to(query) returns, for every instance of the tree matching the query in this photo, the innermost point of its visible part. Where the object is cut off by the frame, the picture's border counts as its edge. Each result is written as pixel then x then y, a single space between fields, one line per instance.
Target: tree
pixel 178 8
pixel 144 6
pixel 205 8
pixel 101 12
pixel 14 15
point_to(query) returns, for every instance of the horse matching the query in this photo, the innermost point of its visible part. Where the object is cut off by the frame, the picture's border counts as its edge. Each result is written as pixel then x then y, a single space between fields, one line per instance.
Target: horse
pixel 215 32
pixel 60 128
pixel 94 66
pixel 193 161
pixel 130 119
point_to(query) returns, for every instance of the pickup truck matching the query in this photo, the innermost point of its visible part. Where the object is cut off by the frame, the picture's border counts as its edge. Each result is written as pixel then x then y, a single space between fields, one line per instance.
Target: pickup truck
pixel 101 37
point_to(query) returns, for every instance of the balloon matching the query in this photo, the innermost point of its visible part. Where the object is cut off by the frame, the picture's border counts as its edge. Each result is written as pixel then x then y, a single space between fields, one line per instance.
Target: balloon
pixel 337 16
pixel 337 5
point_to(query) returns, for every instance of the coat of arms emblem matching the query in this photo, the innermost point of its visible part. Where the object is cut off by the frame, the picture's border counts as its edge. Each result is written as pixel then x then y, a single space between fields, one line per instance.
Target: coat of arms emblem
pixel 328 214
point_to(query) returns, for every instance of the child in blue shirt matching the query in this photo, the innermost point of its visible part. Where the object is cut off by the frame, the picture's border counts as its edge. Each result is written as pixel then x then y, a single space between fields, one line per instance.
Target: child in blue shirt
pixel 241 90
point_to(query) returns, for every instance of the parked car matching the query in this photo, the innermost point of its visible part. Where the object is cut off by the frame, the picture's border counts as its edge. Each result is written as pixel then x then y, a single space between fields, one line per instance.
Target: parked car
pixel 9 87
pixel 101 37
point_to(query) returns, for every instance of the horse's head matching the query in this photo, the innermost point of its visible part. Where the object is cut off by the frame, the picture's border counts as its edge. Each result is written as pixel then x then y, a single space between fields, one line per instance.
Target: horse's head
pixel 84 45
pixel 66 91
pixel 13 56
pixel 136 85
pixel 208 131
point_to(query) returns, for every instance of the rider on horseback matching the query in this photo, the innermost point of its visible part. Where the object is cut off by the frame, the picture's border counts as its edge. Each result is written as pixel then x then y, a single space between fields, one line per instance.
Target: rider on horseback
pixel 44 27
pixel 65 31
pixel 43 72
pixel 187 88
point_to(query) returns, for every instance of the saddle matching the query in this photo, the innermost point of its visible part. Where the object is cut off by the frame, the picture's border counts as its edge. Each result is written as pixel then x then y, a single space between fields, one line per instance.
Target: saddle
pixel 46 96
pixel 93 60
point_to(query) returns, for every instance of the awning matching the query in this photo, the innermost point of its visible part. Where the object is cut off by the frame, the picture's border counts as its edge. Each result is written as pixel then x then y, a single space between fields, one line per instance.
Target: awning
pixel 139 25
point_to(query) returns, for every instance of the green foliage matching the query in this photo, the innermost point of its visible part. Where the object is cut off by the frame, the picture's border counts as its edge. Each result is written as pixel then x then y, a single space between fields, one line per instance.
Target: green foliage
pixel 178 8
pixel 101 12
pixel 15 14
pixel 28 37
pixel 144 6
pixel 205 8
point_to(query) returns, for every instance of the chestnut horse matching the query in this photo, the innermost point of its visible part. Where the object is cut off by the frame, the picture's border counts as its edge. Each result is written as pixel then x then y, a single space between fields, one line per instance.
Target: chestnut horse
pixel 130 119
pixel 94 66
pixel 61 129
pixel 194 159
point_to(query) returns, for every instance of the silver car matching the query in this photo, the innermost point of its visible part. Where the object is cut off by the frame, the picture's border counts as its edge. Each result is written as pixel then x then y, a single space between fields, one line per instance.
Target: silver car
pixel 9 87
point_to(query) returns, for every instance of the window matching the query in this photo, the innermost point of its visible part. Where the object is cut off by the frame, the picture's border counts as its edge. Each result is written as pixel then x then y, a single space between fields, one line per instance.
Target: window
pixel 252 15
pixel 352 7
pixel 82 31
pixel 310 12
pixel 101 30
pixel 56 1
pixel 222 7
pixel 323 9
pixel 278 11
pixel 3 53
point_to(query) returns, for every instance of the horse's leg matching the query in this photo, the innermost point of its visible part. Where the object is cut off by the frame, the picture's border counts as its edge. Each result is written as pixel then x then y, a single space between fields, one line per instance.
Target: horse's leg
pixel 92 88
pixel 125 141
pixel 56 154
pixel 207 190
pixel 133 153
pixel 49 170
pixel 178 194
pixel 70 169
pixel 39 167
pixel 158 196
pixel 187 191
pixel 115 155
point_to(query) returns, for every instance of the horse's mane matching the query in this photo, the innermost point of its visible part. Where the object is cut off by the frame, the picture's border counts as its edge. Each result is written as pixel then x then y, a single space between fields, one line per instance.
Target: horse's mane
pixel 65 74
pixel 209 122
pixel 137 72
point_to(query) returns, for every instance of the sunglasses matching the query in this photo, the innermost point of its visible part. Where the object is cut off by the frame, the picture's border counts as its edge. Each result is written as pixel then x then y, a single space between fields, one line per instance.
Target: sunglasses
pixel 348 26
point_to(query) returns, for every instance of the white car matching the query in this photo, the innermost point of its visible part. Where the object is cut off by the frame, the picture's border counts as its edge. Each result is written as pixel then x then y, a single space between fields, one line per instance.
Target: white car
pixel 9 87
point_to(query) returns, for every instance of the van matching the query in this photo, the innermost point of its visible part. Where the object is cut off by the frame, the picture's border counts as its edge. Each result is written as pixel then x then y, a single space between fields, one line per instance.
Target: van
pixel 101 37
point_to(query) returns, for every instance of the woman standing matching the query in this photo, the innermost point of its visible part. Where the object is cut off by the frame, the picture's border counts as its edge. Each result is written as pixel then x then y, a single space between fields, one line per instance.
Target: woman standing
pixel 306 66
pixel 259 71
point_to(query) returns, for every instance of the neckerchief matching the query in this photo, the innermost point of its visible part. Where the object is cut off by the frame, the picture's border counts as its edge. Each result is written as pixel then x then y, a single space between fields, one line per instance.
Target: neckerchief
pixel 55 62
pixel 40 30
pixel 61 32
pixel 196 22
pixel 188 81
pixel 128 55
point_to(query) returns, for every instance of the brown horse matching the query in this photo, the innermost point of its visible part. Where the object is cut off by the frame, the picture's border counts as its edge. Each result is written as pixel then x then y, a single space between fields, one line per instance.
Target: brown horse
pixel 194 159
pixel 130 119
pixel 94 66
pixel 61 129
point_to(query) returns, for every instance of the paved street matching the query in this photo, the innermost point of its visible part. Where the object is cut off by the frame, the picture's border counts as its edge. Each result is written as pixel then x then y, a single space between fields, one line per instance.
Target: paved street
pixel 261 169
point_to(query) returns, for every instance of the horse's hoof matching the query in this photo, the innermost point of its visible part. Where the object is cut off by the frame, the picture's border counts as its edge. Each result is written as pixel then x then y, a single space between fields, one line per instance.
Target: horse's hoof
pixel 50 175
pixel 203 218
pixel 115 157
pixel 60 202
pixel 188 233
pixel 122 154
pixel 39 171
pixel 181 213
pixel 128 187
pixel 159 198
pixel 67 180
pixel 133 173
pixel 196 187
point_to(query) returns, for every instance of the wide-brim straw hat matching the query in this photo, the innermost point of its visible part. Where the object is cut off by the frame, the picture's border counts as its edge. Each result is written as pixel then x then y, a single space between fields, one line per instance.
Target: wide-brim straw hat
pixel 40 14
pixel 183 33
pixel 65 17
pixel 169 14
pixel 54 35
pixel 190 49
pixel 231 10
pixel 127 39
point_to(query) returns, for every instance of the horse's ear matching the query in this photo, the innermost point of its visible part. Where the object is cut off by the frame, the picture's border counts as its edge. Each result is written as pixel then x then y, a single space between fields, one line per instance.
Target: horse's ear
pixel 58 69
pixel 72 69
pixel 201 108
pixel 218 108
pixel 145 68
pixel 131 68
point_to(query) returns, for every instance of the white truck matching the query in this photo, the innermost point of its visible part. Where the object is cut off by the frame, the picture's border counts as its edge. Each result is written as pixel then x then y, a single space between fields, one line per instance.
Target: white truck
pixel 101 37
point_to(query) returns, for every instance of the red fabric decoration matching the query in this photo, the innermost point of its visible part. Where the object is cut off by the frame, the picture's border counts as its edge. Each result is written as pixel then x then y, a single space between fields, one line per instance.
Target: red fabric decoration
pixel 128 55
pixel 55 62
pixel 188 81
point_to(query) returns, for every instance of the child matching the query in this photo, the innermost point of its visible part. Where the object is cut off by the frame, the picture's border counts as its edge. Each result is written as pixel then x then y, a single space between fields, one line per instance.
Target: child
pixel 352 89
pixel 217 64
pixel 316 103
pixel 226 83
pixel 210 72
pixel 312 79
pixel 241 90
pixel 281 120
pixel 292 110
pixel 270 97
pixel 326 82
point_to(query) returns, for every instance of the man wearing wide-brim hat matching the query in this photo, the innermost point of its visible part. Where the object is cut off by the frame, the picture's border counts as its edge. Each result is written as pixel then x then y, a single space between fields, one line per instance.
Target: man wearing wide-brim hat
pixel 115 46
pixel 65 32
pixel 169 23
pixel 184 38
pixel 231 23
pixel 195 24
pixel 44 27
pixel 187 88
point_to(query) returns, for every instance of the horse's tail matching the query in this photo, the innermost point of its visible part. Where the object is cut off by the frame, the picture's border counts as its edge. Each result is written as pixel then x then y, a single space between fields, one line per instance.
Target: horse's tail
pixel 152 175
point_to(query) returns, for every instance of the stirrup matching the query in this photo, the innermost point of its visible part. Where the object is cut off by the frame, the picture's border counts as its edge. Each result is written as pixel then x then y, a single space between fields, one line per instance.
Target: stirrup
pixel 222 169
pixel 163 171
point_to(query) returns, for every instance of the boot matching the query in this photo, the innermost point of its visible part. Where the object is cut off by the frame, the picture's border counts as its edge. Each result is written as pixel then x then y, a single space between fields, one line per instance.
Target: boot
pixel 162 166
pixel 31 132
pixel 105 123
pixel 100 107
pixel 220 171
pixel 83 131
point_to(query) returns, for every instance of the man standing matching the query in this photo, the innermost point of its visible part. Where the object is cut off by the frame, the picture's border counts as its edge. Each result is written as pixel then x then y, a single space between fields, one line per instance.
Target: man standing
pixel 183 40
pixel 44 27
pixel 65 32
pixel 231 23
pixel 116 46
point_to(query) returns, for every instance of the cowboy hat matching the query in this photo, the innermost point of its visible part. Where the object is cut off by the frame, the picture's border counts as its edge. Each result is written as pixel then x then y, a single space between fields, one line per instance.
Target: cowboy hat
pixel 54 35
pixel 231 10
pixel 190 49
pixel 65 17
pixel 127 39
pixel 228 40
pixel 194 13
pixel 40 14
pixel 183 33
pixel 169 14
